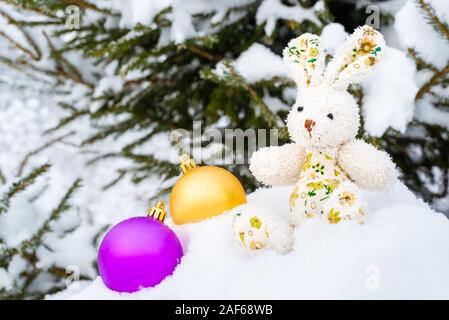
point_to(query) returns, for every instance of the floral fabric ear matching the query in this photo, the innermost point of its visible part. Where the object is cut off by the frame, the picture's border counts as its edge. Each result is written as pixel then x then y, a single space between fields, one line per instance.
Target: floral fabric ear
pixel 305 59
pixel 356 57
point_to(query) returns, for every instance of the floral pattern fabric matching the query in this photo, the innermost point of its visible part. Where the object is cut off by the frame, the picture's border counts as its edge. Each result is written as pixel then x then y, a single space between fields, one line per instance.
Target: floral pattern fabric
pixel 324 191
pixel 251 232
pixel 365 46
pixel 306 56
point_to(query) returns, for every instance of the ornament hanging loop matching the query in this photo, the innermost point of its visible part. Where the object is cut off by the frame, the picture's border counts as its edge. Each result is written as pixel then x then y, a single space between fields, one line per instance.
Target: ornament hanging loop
pixel 187 163
pixel 158 212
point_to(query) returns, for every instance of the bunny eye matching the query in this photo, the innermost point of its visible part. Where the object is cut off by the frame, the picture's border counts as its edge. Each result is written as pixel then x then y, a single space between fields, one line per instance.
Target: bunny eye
pixel 330 116
pixel 300 109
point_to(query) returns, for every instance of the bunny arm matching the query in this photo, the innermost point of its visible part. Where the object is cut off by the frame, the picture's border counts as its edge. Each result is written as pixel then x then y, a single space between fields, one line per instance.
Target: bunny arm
pixel 277 166
pixel 368 167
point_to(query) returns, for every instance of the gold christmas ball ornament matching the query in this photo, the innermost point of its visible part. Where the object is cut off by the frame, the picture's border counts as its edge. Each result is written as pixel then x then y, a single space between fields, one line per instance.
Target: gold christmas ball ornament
pixel 204 192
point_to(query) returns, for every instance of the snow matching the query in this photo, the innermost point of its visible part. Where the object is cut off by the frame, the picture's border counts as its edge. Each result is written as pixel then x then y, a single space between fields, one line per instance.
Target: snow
pixel 414 32
pixel 399 253
pixel 56 253
pixel 429 46
pixel 332 36
pixel 427 113
pixel 441 8
pixel 391 6
pixel 109 84
pixel 12 228
pixel 183 26
pixel 259 62
pixel 5 279
pixel 139 11
pixel 389 95
pixel 272 10
pixel 275 103
pixel 183 14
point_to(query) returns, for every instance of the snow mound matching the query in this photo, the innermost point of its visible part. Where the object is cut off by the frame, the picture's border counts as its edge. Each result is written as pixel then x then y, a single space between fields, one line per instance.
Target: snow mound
pixel 259 62
pixel 389 101
pixel 415 32
pixel 272 10
pixel 332 37
pixel 401 252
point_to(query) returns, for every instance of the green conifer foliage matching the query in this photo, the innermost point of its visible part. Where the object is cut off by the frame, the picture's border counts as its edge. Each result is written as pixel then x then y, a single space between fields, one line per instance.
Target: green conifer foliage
pixel 23 286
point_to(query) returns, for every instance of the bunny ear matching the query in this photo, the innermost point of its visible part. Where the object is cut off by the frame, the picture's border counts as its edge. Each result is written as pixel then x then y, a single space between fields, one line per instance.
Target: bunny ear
pixel 356 57
pixel 304 58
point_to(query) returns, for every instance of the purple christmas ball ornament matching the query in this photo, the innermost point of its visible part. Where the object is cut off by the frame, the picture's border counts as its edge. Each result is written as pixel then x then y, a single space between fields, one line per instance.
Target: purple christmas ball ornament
pixel 139 253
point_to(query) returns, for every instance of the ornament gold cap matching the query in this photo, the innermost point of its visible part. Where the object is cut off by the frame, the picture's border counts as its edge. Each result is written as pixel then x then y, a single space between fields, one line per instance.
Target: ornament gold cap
pixel 158 212
pixel 187 163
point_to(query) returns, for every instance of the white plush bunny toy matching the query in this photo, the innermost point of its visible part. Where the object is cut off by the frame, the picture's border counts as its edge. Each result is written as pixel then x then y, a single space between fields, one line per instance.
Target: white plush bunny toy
pixel 325 162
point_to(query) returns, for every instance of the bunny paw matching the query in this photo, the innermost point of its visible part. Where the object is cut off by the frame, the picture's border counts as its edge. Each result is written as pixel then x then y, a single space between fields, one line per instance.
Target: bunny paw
pixel 256 229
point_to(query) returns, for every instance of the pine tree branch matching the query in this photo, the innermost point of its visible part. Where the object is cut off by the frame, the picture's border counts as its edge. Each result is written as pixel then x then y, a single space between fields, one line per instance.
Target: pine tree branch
pixel 269 116
pixel 21 185
pixel 434 20
pixel 121 174
pixel 6 254
pixel 25 5
pixel 88 5
pixel 2 177
pixel 66 120
pixel 50 8
pixel 28 251
pixel 25 66
pixel 23 23
pixel 433 81
pixel 63 206
pixel 150 164
pixel 202 53
pixel 441 102
pixel 37 55
pixel 119 129
pixel 103 157
pixel 160 194
pixel 19 47
pixel 126 43
pixel 420 63
pixel 140 141
pixel 25 160
pixel 72 73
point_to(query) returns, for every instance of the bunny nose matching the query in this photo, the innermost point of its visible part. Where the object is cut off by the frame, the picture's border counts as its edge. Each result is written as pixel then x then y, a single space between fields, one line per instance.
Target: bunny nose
pixel 309 124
